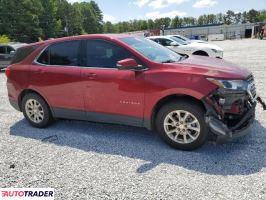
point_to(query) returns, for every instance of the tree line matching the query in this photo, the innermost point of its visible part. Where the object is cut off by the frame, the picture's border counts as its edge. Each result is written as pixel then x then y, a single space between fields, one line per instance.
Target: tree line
pixel 229 17
pixel 33 20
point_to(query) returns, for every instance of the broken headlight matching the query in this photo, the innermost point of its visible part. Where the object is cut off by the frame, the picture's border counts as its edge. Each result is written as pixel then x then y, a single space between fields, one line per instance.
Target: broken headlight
pixel 230 84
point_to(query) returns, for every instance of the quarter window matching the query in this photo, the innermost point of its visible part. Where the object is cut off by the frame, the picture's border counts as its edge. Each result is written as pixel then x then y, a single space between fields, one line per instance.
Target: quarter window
pixel 105 54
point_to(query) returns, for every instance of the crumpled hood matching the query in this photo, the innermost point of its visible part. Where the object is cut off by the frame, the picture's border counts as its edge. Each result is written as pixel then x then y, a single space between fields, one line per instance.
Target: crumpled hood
pixel 212 67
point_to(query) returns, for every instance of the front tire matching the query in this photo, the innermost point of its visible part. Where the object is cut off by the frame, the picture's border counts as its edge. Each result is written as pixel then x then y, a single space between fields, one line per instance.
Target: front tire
pixel 181 124
pixel 36 110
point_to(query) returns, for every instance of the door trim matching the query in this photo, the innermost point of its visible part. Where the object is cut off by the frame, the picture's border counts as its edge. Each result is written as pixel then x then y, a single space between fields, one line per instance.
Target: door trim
pixel 65 113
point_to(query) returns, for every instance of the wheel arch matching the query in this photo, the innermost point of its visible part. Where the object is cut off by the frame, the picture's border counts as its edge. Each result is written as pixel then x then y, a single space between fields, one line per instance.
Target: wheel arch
pixel 167 99
pixel 31 91
pixel 200 53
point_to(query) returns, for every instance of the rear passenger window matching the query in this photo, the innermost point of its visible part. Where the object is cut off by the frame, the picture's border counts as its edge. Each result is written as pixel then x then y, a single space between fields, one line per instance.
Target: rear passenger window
pixel 105 54
pixel 23 53
pixel 65 54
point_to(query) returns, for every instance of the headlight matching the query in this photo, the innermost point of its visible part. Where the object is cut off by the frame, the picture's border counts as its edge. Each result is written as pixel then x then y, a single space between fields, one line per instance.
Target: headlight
pixel 215 51
pixel 230 84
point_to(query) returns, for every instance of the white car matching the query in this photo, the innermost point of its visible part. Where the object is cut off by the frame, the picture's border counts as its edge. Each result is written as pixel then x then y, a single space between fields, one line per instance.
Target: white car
pixel 188 48
pixel 188 40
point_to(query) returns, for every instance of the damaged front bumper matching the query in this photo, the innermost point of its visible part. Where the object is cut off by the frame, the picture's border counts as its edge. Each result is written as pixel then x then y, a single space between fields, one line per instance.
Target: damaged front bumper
pixel 230 114
pixel 225 133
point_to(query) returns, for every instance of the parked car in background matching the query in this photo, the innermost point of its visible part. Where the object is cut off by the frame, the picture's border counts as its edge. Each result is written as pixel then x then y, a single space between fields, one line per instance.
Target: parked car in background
pixel 188 40
pixel 188 48
pixel 130 80
pixel 7 51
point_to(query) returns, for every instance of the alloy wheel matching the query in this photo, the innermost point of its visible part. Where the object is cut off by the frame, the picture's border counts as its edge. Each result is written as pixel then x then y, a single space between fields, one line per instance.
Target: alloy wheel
pixel 182 126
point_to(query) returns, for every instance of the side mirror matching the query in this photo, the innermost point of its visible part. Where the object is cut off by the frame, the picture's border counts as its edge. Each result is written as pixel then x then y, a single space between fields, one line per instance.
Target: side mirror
pixel 174 44
pixel 129 64
pixel 12 52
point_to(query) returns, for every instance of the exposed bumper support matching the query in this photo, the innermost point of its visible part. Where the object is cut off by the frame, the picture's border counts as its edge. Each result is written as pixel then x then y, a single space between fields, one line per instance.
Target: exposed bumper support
pixel 226 134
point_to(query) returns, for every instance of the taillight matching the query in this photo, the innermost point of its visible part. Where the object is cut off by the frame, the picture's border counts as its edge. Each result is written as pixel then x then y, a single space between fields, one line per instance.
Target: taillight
pixel 8 72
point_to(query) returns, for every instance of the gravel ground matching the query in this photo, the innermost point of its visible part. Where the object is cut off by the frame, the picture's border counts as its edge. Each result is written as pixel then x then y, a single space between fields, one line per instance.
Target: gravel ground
pixel 83 160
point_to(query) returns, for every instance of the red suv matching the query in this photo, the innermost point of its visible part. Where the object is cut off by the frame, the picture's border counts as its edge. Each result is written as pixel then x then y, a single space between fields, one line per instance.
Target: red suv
pixel 133 81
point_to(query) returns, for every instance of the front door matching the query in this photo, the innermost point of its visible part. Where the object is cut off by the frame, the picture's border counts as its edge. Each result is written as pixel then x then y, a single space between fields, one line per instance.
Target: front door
pixel 111 95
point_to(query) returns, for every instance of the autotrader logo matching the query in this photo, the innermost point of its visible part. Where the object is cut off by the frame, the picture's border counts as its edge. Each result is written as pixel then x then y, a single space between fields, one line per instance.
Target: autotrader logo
pixel 26 194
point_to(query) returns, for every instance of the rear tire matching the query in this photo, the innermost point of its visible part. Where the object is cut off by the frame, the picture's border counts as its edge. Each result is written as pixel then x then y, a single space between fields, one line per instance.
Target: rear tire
pixel 181 124
pixel 36 110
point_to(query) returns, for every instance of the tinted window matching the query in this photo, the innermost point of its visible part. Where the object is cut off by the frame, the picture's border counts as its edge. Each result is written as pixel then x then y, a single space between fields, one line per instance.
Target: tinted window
pixel 164 42
pixel 2 50
pixel 180 41
pixel 64 53
pixel 22 53
pixel 44 57
pixel 105 54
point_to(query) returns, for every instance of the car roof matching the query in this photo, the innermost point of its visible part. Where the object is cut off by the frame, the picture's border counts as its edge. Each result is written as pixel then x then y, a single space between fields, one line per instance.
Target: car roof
pixel 161 36
pixel 87 36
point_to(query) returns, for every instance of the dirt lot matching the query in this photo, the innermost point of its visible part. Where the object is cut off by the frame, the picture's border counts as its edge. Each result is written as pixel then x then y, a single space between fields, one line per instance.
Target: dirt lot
pixel 83 160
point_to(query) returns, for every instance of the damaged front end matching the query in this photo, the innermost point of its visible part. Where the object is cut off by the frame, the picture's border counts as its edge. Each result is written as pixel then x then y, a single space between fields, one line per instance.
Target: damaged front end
pixel 231 108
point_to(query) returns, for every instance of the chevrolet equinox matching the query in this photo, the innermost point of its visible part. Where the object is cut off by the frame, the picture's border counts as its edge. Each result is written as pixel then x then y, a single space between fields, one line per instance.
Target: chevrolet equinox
pixel 128 80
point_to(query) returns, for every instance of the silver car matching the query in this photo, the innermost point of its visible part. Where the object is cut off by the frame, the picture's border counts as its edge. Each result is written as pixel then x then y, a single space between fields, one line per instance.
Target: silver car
pixel 7 51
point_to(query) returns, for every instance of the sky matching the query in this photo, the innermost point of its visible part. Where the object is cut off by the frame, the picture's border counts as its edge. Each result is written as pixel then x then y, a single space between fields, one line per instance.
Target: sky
pixel 124 10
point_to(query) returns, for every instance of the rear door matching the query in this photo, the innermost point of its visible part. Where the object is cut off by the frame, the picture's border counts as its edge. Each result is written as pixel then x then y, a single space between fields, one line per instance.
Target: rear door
pixel 56 75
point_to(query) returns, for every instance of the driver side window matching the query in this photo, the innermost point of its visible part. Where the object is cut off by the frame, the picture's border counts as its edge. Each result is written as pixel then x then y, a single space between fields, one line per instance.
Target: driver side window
pixel 104 54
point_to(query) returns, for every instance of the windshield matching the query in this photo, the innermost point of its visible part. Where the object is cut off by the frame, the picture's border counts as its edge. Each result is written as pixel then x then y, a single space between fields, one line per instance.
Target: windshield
pixel 180 41
pixel 181 38
pixel 152 50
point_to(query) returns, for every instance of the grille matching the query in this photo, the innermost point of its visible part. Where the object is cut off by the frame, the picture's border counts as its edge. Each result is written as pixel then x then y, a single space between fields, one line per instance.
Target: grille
pixel 251 86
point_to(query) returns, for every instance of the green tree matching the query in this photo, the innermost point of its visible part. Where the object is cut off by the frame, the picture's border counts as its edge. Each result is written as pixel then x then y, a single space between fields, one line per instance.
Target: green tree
pixel 219 18
pixel 244 18
pixel 70 18
pixel 262 16
pixel 229 17
pixel 99 16
pixel 48 22
pixel 108 27
pixel 252 16
pixel 20 20
pixel 150 24
pixel 203 20
pixel 89 16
